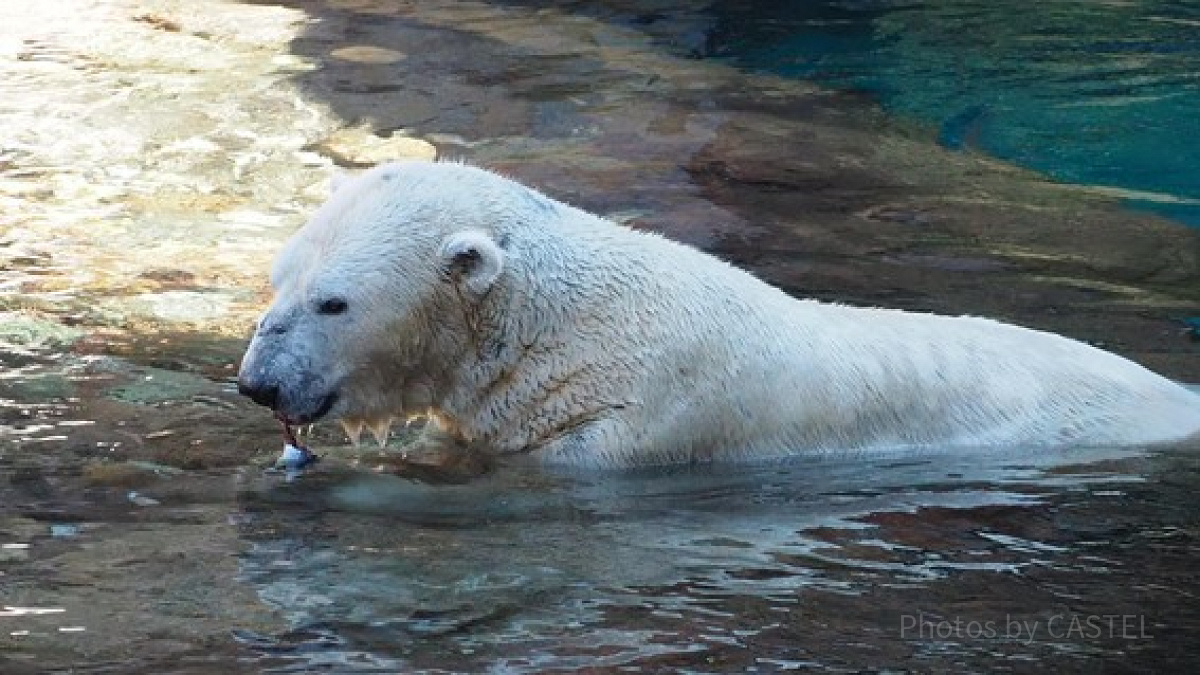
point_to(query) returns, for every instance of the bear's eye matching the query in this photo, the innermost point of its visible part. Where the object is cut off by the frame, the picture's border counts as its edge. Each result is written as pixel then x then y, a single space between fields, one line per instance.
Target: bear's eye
pixel 332 306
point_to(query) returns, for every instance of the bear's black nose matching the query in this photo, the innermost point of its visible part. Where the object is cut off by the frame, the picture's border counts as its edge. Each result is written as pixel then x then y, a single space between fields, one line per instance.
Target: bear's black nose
pixel 262 394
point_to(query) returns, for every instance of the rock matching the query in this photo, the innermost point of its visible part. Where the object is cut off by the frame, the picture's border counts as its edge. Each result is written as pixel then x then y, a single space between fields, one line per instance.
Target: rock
pixel 357 147
pixel 368 54
pixel 40 388
pixel 14 552
pixel 20 528
pixel 156 385
pixel 176 306
pixel 20 330
pixel 118 474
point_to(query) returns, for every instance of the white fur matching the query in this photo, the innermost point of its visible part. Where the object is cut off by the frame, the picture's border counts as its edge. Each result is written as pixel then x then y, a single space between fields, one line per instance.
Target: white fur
pixel 487 256
pixel 587 342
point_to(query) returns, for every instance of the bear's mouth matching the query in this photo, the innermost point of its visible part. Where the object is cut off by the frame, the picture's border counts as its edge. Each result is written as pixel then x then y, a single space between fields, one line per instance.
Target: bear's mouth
pixel 322 409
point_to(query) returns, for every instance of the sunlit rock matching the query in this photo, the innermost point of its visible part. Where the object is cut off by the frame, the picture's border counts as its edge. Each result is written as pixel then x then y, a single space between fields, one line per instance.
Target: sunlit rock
pixel 30 332
pixel 358 147
pixel 367 54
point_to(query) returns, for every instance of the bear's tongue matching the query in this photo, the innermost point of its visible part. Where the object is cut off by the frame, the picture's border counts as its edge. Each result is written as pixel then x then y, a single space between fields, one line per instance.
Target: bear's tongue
pixel 289 436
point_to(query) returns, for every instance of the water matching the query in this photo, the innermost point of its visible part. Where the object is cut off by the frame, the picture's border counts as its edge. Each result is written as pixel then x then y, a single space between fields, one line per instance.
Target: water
pixel 716 570
pixel 828 565
pixel 154 159
pixel 1098 93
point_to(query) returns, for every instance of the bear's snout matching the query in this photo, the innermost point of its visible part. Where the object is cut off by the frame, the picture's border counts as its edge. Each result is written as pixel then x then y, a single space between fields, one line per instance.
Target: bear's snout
pixel 260 392
pixel 300 407
pixel 298 390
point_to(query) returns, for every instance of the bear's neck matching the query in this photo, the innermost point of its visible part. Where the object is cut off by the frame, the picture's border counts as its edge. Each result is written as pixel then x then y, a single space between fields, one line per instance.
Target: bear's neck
pixel 516 377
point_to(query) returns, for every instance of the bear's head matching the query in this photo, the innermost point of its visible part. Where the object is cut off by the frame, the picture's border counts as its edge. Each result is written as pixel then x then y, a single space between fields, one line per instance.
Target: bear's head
pixel 373 296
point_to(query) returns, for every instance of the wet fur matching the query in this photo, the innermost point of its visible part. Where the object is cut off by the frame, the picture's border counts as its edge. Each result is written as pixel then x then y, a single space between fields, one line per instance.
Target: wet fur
pixel 590 343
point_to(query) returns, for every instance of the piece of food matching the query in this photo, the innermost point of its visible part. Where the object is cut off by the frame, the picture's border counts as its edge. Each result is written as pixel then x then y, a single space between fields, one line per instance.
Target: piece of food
pixel 295 457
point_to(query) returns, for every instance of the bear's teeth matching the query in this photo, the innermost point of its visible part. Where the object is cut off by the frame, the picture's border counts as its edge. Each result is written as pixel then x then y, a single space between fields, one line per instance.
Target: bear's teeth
pixel 380 429
pixel 353 429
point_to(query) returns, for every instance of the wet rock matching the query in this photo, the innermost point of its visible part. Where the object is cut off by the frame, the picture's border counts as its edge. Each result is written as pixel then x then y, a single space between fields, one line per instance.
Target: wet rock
pixel 118 474
pixel 830 227
pixel 14 552
pixel 141 594
pixel 963 264
pixel 164 121
pixel 247 219
pixel 19 528
pixel 358 147
pixel 39 388
pixel 890 213
pixel 294 64
pixel 156 385
pixel 30 332
pixel 170 279
pixel 176 306
pixel 31 482
pixel 367 54
pixel 159 469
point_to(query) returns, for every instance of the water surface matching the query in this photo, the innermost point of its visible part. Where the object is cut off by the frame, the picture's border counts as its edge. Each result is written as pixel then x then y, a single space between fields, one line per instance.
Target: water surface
pixel 936 562
pixel 1098 93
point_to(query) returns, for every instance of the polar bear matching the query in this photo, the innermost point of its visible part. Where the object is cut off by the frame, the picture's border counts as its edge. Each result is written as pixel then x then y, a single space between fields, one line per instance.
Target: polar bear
pixel 519 324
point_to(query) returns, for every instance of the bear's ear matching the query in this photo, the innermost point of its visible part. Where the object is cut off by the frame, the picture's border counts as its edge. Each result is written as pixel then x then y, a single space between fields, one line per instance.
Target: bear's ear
pixel 472 258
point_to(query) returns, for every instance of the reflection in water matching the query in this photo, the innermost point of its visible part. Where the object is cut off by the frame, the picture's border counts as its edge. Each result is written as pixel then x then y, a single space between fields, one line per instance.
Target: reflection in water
pixel 566 571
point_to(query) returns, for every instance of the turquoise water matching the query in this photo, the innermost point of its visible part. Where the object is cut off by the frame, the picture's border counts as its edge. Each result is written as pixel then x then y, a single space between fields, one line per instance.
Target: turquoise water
pixel 1097 93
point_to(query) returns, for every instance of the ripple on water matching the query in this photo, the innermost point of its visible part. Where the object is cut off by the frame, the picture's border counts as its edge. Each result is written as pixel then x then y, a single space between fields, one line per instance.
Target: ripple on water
pixel 566 571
